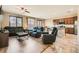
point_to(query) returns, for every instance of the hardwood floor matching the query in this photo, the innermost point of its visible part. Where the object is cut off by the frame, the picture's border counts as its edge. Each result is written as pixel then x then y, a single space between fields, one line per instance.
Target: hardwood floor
pixel 64 44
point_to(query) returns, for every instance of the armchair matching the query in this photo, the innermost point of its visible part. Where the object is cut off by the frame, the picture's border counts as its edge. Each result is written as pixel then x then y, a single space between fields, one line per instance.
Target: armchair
pixel 50 38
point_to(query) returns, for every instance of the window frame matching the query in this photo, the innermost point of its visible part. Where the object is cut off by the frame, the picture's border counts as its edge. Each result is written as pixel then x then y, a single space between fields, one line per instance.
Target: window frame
pixel 16 21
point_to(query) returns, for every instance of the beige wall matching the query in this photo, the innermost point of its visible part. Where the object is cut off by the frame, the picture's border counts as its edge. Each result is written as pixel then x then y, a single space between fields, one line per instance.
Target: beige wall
pixel 25 22
pixel 5 21
pixel 49 23
pixel 78 31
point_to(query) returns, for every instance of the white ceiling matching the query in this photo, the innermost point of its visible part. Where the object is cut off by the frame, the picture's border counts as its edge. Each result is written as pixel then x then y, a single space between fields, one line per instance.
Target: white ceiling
pixel 43 11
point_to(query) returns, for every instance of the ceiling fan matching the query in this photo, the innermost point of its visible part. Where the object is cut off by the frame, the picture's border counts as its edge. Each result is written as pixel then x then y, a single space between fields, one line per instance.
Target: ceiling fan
pixel 24 9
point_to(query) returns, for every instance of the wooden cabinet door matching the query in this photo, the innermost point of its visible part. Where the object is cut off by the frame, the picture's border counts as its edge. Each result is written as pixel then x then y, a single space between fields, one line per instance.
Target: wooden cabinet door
pixel 69 20
pixel 66 30
pixel 69 30
pixel 66 21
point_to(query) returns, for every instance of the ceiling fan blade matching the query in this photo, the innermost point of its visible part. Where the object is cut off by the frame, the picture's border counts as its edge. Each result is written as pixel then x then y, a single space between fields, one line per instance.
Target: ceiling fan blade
pixel 24 9
pixel 27 11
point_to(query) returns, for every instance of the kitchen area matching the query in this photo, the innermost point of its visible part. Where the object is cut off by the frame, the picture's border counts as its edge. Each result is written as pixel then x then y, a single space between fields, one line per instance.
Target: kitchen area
pixel 69 25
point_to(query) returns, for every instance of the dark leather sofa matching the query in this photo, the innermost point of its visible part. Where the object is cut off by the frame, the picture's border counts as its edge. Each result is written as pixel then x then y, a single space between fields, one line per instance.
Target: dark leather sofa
pixel 36 32
pixel 50 38
pixel 14 30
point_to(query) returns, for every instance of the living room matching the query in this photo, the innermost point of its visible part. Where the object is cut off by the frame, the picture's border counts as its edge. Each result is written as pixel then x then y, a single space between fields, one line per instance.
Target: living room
pixel 38 29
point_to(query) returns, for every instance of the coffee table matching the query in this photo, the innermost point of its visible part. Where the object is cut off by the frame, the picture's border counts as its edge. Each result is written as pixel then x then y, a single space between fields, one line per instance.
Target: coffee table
pixel 21 34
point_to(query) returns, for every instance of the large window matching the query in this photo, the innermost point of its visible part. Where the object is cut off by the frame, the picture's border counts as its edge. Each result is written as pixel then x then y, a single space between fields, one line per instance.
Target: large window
pixel 12 21
pixel 32 22
pixel 40 23
pixel 15 21
pixel 19 22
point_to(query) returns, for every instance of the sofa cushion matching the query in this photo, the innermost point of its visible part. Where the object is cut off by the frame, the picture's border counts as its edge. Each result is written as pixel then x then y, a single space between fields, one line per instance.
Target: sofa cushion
pixel 34 32
pixel 38 30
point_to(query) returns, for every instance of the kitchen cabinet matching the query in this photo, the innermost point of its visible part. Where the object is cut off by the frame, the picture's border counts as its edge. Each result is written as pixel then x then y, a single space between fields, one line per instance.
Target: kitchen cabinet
pixel 69 30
